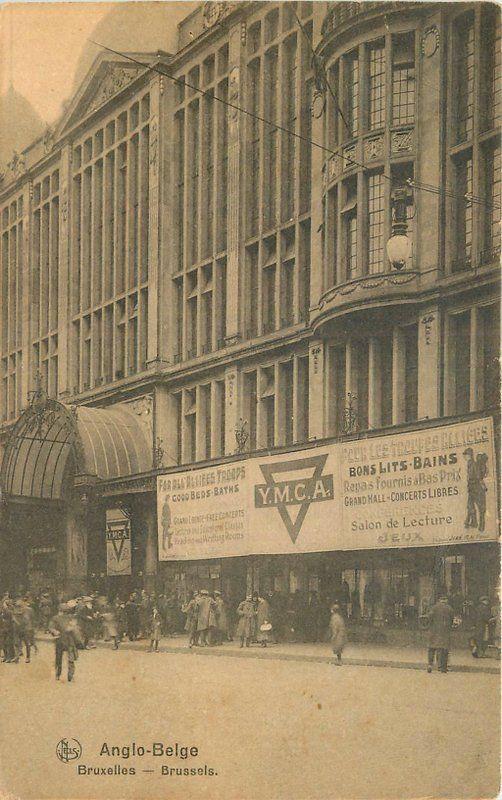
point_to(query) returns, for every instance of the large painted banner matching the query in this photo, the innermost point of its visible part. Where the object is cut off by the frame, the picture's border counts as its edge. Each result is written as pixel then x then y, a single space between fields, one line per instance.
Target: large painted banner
pixel 429 487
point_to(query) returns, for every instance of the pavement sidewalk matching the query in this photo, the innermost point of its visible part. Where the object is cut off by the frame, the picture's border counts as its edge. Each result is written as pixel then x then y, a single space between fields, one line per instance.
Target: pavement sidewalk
pixel 355 653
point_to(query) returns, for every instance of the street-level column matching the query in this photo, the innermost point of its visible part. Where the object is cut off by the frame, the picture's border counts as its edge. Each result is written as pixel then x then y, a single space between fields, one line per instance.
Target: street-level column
pixel 398 376
pixel 76 534
pixel 151 552
pixel 374 384
pixel 316 389
pixel 429 360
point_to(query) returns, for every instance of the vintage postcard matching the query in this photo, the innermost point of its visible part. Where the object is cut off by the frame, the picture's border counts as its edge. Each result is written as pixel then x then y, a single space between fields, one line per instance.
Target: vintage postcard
pixel 250 400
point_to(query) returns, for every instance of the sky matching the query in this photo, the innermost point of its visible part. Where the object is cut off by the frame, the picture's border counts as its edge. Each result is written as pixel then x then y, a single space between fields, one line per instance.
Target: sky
pixel 40 44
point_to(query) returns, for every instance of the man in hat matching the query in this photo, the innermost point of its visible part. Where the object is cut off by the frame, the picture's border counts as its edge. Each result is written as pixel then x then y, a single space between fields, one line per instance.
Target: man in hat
pixel 65 630
pixel 222 633
pixel 482 617
pixel 472 485
pixel 441 621
pixel 206 617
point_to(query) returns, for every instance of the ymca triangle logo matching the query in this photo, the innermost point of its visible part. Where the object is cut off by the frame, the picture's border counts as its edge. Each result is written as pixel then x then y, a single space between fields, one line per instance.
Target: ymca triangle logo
pixel 118 546
pixel 291 486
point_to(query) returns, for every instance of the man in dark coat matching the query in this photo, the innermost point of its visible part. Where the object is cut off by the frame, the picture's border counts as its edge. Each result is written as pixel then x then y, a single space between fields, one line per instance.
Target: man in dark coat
pixel 441 621
pixel 132 617
pixel 206 617
pixel 481 638
pixel 64 627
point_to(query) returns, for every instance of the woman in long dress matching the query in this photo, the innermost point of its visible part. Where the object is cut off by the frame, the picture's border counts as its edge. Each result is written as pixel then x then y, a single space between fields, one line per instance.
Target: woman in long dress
pixel 338 632
pixel 264 632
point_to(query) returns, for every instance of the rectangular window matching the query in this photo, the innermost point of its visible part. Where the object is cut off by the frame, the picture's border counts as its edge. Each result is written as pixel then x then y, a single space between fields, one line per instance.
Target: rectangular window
pixel 287 294
pixel 252 291
pixel 463 215
pixel 338 366
pixel 376 216
pixel 461 341
pixel 193 194
pixel 491 352
pixel 376 89
pixel 302 403
pixel 253 147
pixel 403 79
pixel 362 355
pixel 287 398
pixel 268 286
pixel 351 244
pixel 491 58
pixel 250 400
pixel 271 134
pixel 411 372
pixel 352 92
pixel 464 75
pixel 493 195
pixel 386 350
pixel 179 161
pixel 289 109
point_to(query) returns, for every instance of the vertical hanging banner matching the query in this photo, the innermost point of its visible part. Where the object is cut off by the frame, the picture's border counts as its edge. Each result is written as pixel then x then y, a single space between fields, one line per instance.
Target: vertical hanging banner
pixel 118 542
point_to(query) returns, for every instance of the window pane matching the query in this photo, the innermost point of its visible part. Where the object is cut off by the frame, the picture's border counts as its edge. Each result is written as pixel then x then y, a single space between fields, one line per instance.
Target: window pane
pixel 377 87
pixel 464 70
pixel 375 223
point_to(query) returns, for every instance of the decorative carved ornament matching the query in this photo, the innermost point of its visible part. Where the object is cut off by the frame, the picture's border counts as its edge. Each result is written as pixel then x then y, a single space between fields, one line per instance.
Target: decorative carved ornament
pixel 48 139
pixel 233 95
pixel 402 141
pixel 154 145
pixel 368 282
pixel 427 322
pixel 318 104
pixel 349 155
pixel 213 12
pixel 116 80
pixel 373 148
pixel 430 41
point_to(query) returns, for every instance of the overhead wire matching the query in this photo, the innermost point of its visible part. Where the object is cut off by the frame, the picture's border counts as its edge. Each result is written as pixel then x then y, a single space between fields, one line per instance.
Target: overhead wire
pixel 333 153
pixel 320 70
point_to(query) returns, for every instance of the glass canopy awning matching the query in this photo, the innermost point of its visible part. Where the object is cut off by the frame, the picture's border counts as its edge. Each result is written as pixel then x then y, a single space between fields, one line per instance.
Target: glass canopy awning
pixel 52 444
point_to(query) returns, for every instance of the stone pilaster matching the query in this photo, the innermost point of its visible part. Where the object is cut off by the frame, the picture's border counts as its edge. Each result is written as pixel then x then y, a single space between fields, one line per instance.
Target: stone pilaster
pixel 232 413
pixel 76 533
pixel 151 551
pixel 25 301
pixel 156 310
pixel 374 384
pixel 429 360
pixel 398 376
pixel 316 389
pixel 236 128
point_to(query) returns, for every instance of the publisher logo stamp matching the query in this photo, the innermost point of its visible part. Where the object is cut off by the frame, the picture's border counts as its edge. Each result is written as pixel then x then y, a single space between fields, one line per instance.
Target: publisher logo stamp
pixel 68 750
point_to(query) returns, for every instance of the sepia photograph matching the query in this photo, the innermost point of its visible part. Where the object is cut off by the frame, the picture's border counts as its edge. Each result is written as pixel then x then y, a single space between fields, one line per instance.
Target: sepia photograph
pixel 250 400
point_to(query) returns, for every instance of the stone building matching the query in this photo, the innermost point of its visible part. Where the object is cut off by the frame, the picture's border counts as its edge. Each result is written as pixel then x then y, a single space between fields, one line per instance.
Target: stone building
pixel 190 292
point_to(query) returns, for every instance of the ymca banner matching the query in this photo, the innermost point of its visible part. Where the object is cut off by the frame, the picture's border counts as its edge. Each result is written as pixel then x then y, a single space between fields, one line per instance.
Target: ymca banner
pixel 118 542
pixel 435 486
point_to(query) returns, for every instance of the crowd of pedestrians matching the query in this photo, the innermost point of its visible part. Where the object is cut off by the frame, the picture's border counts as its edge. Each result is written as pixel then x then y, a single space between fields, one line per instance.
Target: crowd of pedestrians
pixel 208 618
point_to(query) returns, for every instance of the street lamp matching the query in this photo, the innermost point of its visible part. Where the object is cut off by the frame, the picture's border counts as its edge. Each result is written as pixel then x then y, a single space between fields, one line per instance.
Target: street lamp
pixel 399 246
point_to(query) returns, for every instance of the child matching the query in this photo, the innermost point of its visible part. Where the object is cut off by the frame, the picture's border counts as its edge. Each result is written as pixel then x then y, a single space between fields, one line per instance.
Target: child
pixel 155 630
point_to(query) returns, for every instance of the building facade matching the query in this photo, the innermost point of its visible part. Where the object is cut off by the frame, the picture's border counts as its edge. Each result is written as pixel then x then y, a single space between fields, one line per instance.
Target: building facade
pixel 189 289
